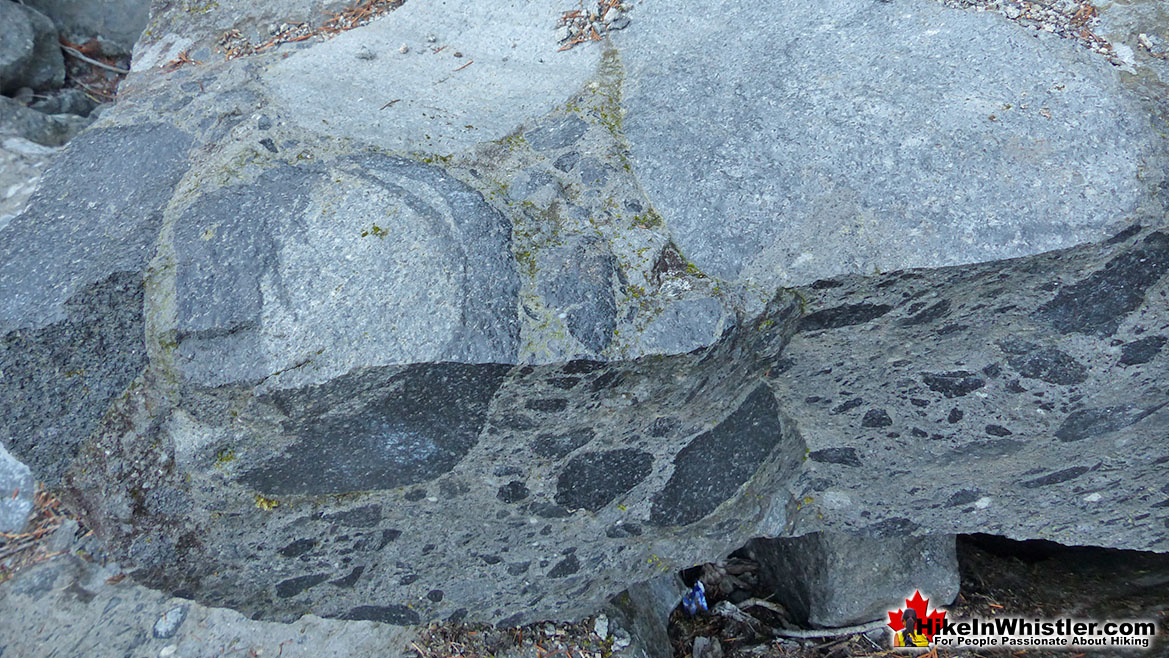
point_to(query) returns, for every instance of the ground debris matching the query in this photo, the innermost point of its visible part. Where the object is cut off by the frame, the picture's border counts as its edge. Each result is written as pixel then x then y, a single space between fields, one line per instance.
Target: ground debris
pixel 539 640
pixel 1070 19
pixel 24 549
pixel 233 44
pixel 584 24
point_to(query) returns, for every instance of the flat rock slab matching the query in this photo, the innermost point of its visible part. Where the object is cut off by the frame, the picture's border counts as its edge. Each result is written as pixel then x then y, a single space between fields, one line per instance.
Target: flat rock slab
pixel 491 67
pixel 862 136
pixel 378 339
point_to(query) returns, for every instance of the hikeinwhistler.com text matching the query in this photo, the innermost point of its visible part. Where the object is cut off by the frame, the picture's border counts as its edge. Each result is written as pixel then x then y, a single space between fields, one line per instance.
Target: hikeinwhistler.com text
pixel 1019 632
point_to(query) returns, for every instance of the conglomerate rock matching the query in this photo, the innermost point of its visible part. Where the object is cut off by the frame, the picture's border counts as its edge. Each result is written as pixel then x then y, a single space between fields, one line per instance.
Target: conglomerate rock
pixel 482 329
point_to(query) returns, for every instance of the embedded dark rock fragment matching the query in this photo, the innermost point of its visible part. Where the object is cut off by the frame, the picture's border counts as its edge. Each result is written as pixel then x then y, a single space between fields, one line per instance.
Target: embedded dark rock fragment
pixel 592 480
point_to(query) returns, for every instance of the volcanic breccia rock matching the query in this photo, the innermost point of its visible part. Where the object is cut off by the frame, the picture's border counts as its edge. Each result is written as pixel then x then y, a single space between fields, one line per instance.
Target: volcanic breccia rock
pixel 407 339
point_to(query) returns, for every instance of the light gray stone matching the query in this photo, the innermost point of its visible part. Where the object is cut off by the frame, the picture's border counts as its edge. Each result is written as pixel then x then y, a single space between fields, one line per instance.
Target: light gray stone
pixel 16 493
pixel 68 602
pixel 169 622
pixel 517 74
pixel 875 137
pixel 686 325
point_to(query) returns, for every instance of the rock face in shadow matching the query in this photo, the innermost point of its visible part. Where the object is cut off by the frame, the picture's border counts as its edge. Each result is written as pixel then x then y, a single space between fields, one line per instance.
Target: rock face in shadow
pixel 445 358
pixel 829 580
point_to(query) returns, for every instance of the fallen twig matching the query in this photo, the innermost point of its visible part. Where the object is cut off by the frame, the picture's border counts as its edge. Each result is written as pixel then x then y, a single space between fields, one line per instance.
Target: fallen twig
pixel 89 60
pixel 463 66
pixel 809 634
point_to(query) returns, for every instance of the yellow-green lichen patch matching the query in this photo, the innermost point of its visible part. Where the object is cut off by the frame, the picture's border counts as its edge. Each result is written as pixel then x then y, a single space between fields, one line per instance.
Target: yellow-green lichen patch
pixel 608 111
pixel 200 7
pixel 375 231
pixel 224 457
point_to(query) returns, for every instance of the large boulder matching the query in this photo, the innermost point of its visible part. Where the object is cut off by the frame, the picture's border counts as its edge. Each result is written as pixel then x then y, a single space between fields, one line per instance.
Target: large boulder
pixel 29 55
pixel 498 334
pixel 833 579
pixel 116 23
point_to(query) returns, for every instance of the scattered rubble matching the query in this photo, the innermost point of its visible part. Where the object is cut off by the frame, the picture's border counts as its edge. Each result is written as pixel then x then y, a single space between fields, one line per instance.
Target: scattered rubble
pixel 234 44
pixel 1070 19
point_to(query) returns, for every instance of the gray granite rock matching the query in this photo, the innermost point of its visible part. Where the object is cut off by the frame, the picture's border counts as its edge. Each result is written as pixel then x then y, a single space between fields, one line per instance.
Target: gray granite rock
pixel 643 612
pixel 16 493
pixel 72 273
pixel 828 580
pixel 117 24
pixel 1019 376
pixel 29 56
pixel 68 604
pixel 18 121
pixel 501 348
pixel 858 136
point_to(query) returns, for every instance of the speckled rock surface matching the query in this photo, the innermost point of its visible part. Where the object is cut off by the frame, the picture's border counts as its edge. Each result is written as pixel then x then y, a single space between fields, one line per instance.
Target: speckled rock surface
pixel 463 343
pixel 67 607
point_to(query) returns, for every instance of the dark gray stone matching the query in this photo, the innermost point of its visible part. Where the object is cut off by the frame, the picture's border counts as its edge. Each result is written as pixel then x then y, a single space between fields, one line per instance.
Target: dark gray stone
pixel 577 282
pixel 829 580
pixel 29 55
pixel 1098 303
pixel 705 476
pixel 1090 423
pixel 592 480
pixel 1142 350
pixel 843 456
pixel 427 420
pixel 72 276
pixel 1047 364
pixel 117 24
pixel 843 316
pixel 561 133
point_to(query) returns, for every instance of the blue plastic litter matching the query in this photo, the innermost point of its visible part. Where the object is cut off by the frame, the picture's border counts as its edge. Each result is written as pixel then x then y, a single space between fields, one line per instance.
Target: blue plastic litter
pixel 695 599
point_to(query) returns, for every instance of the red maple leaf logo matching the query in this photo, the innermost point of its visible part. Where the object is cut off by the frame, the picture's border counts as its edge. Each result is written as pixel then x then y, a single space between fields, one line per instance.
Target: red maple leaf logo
pixel 931 623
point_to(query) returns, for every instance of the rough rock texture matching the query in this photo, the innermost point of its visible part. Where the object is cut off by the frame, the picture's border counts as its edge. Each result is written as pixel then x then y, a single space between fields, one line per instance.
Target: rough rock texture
pixel 66 605
pixel 830 579
pixel 29 56
pixel 643 613
pixel 473 340
pixel 869 120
